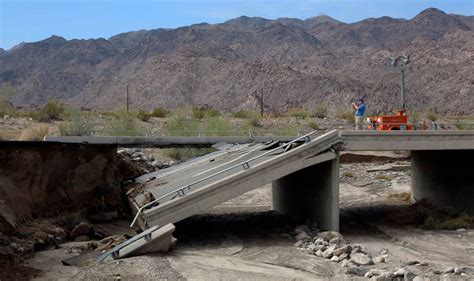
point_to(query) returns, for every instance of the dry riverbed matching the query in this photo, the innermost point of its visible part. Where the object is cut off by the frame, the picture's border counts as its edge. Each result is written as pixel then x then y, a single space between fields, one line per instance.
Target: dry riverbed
pixel 244 239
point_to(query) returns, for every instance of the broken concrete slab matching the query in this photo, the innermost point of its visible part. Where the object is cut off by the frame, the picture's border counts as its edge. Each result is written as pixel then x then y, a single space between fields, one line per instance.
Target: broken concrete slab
pixel 155 239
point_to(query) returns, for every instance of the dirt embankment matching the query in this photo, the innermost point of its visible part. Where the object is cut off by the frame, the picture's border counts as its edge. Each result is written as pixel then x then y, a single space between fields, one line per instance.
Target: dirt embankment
pixel 44 179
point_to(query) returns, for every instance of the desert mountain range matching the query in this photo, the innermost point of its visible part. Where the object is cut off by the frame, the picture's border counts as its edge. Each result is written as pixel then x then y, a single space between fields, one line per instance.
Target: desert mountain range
pixel 296 63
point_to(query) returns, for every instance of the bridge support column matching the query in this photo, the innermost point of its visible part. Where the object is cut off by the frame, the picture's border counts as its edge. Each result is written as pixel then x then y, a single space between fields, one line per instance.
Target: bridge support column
pixel 444 178
pixel 311 193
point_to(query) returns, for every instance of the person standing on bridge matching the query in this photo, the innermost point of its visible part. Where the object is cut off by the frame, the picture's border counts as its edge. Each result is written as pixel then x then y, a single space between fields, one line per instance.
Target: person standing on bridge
pixel 359 107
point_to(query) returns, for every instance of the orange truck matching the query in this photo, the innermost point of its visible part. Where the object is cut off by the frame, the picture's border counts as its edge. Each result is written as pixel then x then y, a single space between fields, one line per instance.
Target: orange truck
pixel 398 121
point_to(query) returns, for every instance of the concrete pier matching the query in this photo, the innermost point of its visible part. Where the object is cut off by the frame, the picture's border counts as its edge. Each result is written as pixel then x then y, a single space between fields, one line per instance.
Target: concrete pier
pixel 310 193
pixel 444 178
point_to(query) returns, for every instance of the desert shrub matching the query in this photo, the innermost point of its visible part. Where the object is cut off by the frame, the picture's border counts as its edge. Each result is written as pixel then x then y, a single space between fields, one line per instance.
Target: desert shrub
pixel 205 112
pixel 125 125
pixel 76 125
pixel 144 115
pixel 182 126
pixel 52 110
pixel 186 153
pixel 313 125
pixel 414 119
pixel 302 113
pixel 246 114
pixel 431 115
pixel 254 122
pixel 36 132
pixel 347 115
pixel 217 127
pixel 319 111
pixel 160 112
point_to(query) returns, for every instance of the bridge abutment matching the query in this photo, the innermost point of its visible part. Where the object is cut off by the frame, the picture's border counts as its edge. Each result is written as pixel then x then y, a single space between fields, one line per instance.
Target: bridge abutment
pixel 444 178
pixel 311 193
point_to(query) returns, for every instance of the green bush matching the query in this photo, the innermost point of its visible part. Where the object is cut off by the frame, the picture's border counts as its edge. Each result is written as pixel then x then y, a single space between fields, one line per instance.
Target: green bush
pixel 246 114
pixel 182 126
pixel 160 113
pixel 76 125
pixel 297 112
pixel 144 115
pixel 125 125
pixel 431 115
pixel 254 122
pixel 319 111
pixel 313 125
pixel 347 115
pixel 205 112
pixel 217 127
pixel 52 110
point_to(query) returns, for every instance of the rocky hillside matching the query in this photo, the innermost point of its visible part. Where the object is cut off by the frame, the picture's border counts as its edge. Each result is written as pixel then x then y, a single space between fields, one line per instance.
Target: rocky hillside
pixel 295 62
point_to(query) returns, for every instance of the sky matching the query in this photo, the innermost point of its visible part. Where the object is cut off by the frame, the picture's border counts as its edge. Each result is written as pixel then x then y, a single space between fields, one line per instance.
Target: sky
pixel 34 20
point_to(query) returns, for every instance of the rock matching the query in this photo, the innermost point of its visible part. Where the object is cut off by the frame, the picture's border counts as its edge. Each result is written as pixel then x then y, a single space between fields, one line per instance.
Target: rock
pixel 345 263
pixel 329 235
pixel 400 272
pixel 143 158
pixel 82 238
pixel 80 229
pixel 375 271
pixel 319 253
pixel 341 250
pixel 361 259
pixel 328 253
pixel 467 269
pixel 357 271
pixel 437 272
pixel 318 241
pixel 299 243
pixel 457 271
pixel 384 276
pixel 412 262
pixel 461 230
pixel 449 270
pixel 384 252
pixel 337 241
pixel 355 249
pixel 312 247
pixel 303 235
pixel 335 259
pixel 409 276
pixel 379 259
pixel 418 278
pixel 342 257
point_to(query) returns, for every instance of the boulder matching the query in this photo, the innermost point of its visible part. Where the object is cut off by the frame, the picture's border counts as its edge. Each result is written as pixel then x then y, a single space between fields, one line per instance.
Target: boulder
pixel 342 250
pixel 361 259
pixel 357 271
pixel 80 229
pixel 328 253
pixel 329 235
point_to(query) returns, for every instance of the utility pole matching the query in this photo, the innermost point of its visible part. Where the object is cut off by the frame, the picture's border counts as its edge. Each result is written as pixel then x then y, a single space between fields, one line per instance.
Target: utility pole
pixel 127 98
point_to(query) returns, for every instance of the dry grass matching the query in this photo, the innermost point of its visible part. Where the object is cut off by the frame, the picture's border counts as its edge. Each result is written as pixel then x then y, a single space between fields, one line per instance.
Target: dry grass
pixel 35 132
pixel 8 135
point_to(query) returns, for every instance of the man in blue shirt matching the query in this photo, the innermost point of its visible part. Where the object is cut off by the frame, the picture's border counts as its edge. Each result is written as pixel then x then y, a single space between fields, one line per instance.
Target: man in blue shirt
pixel 359 106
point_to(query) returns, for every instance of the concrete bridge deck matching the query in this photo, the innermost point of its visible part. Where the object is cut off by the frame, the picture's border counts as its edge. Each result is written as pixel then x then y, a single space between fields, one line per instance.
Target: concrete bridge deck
pixel 305 178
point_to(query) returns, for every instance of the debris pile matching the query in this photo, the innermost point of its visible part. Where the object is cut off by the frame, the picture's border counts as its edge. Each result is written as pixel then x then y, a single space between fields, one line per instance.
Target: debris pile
pixel 355 259
pixel 147 163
